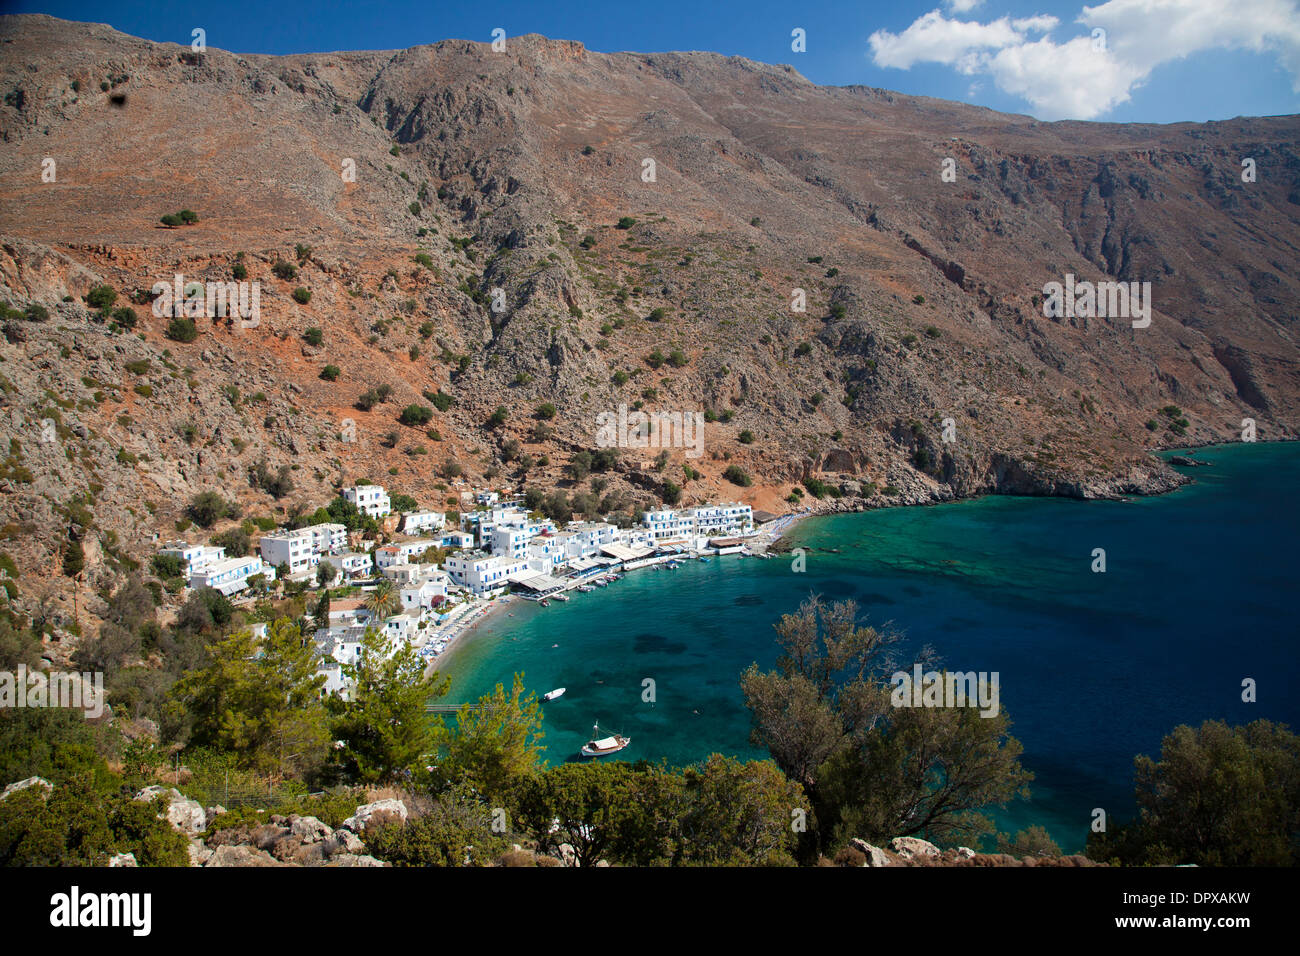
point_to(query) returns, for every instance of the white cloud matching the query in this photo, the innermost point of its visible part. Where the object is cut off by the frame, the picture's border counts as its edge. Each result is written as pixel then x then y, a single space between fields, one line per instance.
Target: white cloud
pixel 1076 78
pixel 963 6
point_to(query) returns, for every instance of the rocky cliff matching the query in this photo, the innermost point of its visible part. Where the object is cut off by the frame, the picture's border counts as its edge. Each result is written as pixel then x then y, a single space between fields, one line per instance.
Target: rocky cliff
pixel 546 224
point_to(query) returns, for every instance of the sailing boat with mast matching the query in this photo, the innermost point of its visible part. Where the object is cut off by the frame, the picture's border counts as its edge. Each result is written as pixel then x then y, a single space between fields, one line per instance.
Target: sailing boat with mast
pixel 599 746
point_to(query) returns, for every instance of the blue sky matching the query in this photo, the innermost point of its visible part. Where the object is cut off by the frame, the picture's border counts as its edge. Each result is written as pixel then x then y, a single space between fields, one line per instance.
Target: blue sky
pixel 1158 60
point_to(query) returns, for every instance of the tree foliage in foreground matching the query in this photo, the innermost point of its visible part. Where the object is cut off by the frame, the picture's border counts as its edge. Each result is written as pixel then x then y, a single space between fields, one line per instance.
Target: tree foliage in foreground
pixel 81 824
pixel 1218 796
pixel 260 703
pixel 872 770
pixel 386 735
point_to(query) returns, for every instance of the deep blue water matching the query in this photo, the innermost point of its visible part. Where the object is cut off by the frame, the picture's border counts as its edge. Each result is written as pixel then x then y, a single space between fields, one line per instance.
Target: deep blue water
pixel 1094 668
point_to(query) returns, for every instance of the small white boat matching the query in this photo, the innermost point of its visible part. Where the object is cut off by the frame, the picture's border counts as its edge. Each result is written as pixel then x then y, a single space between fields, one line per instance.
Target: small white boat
pixel 558 692
pixel 545 602
pixel 599 746
pixel 585 588
pixel 559 597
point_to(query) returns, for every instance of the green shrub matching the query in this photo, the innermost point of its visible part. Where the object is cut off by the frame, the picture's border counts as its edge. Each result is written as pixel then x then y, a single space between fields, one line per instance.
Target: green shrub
pixel 416 415
pixel 626 222
pixel 182 330
pixel 737 476
pixel 330 373
pixel 101 297
pixel 301 296
pixel 313 336
pixel 284 270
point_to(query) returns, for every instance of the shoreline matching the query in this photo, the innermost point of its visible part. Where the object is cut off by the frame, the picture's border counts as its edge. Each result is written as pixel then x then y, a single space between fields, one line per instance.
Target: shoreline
pixel 859 505
pixel 768 540
pixel 466 627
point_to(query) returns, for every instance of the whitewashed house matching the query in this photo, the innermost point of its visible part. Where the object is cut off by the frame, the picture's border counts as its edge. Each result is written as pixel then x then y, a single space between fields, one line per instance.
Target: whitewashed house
pixel 232 574
pixel 510 540
pixel 403 552
pixel 482 573
pixel 414 522
pixel 195 557
pixel 456 539
pixel 402 627
pixel 302 548
pixel 668 527
pixel 354 564
pixel 724 520
pixel 546 552
pixel 591 535
pixel 425 593
pixel 372 500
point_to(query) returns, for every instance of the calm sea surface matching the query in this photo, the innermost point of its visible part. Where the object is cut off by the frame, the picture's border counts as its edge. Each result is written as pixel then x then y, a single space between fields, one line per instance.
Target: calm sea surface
pixel 1094 668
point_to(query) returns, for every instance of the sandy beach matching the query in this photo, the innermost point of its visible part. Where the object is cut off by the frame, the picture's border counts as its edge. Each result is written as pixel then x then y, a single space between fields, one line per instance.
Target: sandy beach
pixel 463 627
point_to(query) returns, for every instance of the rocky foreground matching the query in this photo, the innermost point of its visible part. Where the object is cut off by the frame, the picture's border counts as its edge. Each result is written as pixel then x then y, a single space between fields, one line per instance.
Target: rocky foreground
pixel 306 841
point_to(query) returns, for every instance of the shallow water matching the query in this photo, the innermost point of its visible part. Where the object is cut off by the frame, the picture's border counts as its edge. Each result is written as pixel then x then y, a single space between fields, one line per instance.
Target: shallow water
pixel 1094 668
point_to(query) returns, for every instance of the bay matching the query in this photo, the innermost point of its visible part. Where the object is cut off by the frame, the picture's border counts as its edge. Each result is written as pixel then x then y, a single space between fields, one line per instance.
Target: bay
pixel 1094 668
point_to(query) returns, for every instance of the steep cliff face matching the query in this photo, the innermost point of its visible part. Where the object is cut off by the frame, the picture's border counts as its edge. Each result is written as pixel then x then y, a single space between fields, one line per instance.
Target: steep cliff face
pixel 486 225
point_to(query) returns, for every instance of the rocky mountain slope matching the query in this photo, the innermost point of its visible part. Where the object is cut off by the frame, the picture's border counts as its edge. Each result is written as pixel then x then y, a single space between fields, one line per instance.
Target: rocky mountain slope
pixel 477 171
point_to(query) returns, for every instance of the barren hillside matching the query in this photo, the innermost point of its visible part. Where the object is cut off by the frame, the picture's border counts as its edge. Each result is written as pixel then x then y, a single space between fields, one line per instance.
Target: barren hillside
pixel 477 170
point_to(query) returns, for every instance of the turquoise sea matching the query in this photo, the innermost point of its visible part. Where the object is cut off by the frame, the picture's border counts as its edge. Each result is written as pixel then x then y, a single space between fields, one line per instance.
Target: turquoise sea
pixel 1094 668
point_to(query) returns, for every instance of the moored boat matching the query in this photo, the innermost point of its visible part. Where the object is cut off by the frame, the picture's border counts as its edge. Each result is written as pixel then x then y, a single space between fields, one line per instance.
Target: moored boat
pixel 552 695
pixel 599 746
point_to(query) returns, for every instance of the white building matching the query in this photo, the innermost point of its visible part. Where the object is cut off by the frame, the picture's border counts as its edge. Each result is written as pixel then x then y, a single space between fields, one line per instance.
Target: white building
pixel 724 520
pixel 483 523
pixel 232 574
pixel 669 527
pixel 302 548
pixel 195 557
pixel 402 627
pixel 510 541
pixel 403 552
pixel 487 497
pixel 591 535
pixel 426 593
pixel 413 522
pixel 547 552
pixel 482 573
pixel 353 564
pixel 456 539
pixel 402 573
pixel 372 500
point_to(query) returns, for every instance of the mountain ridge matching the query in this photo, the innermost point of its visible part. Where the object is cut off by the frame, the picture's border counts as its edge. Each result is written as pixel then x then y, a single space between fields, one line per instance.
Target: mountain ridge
pixel 921 304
